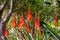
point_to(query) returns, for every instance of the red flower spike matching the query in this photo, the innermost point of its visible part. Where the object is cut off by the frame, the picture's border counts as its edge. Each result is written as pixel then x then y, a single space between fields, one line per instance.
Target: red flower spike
pixel 21 23
pixel 28 29
pixel 14 23
pixel 29 16
pixel 6 33
pixel 39 24
pixel 56 21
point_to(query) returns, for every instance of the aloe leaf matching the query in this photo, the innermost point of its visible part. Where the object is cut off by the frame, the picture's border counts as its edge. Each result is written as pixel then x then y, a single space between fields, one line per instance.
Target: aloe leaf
pixel 48 29
pixel 30 36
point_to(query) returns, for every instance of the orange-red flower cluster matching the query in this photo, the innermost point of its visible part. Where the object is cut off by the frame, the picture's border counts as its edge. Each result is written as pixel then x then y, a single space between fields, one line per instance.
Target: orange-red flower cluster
pixel 29 15
pixel 14 23
pixel 6 32
pixel 21 23
pixel 56 21
pixel 37 24
pixel 28 29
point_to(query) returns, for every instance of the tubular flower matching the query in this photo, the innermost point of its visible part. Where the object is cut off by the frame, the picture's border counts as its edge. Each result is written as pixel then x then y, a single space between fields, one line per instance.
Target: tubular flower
pixel 29 16
pixel 28 29
pixel 35 23
pixel 14 23
pixel 21 23
pixel 38 21
pixel 56 21
pixel 39 26
pixel 6 33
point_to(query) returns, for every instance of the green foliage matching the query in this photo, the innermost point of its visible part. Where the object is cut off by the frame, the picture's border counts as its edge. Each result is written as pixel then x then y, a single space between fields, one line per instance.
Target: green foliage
pixel 46 12
pixel 50 30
